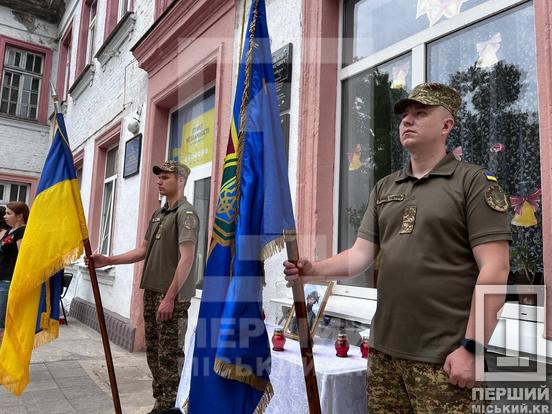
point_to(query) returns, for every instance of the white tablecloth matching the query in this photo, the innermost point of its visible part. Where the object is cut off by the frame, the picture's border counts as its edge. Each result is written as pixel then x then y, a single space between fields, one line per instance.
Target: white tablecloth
pixel 341 381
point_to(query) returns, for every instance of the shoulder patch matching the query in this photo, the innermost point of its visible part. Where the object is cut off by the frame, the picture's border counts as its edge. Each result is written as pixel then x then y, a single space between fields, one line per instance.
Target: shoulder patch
pixel 490 176
pixel 189 220
pixel 496 198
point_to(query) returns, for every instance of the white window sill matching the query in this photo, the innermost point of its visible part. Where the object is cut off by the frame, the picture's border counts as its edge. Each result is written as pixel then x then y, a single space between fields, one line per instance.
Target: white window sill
pixel 352 309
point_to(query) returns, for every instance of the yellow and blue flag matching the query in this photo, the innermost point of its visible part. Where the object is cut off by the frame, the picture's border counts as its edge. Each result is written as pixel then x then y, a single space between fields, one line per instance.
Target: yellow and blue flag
pixel 53 238
pixel 231 359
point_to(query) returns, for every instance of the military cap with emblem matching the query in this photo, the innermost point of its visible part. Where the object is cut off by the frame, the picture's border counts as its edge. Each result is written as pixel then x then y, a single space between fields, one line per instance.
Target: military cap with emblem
pixel 432 94
pixel 174 167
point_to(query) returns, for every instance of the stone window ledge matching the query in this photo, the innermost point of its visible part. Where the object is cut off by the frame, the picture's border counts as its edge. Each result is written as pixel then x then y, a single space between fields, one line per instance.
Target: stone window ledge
pixel 83 81
pixel 121 32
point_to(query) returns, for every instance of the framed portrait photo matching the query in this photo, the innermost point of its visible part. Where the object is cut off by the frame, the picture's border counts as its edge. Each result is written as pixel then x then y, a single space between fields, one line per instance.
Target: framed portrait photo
pixel 316 297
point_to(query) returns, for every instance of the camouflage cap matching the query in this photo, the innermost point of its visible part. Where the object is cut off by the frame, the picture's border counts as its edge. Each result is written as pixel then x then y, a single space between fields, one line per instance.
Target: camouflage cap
pixel 172 166
pixel 432 94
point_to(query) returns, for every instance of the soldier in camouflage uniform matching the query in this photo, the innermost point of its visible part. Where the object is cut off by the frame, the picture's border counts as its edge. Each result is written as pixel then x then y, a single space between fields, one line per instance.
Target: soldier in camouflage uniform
pixel 169 250
pixel 440 228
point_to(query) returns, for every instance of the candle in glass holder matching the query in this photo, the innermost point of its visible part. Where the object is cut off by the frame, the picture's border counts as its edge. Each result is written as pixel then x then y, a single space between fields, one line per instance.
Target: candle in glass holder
pixel 364 347
pixel 342 345
pixel 278 339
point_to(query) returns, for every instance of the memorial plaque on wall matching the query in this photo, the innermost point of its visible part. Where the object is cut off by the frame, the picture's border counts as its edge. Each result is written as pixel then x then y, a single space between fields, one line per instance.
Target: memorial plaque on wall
pixel 133 149
pixel 284 122
pixel 282 62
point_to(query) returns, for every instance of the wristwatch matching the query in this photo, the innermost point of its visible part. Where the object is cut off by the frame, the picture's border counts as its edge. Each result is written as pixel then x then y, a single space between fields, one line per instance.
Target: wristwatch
pixel 470 345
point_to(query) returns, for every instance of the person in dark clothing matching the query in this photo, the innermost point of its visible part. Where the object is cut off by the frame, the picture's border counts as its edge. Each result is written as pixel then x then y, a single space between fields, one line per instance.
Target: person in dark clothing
pixel 15 216
pixel 3 225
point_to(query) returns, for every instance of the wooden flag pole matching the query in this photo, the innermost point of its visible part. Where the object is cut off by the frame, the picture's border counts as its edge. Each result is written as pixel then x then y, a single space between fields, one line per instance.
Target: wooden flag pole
pixel 103 329
pixel 98 301
pixel 305 340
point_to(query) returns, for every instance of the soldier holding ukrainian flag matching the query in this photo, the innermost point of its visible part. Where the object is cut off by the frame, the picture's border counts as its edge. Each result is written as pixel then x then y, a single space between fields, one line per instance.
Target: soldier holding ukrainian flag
pixel 168 280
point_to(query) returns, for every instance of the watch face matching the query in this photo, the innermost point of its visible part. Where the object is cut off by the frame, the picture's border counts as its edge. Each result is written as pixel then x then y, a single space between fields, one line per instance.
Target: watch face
pixel 469 345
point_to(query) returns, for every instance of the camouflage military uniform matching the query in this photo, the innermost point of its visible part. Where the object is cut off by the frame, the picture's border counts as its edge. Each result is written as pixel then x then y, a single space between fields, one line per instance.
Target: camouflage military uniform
pixel 426 228
pixel 425 385
pixel 165 347
pixel 170 227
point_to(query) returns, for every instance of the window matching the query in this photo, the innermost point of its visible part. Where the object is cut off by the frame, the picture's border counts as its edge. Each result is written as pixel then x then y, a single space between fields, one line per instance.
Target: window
pixel 191 132
pixel 110 180
pixel 488 54
pixel 21 83
pixel 64 65
pixel 124 7
pixel 92 28
pixel 201 202
pixel 13 192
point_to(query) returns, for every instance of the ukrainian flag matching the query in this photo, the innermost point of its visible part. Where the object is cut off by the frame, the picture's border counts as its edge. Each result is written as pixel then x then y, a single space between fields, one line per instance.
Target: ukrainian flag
pixel 231 357
pixel 53 238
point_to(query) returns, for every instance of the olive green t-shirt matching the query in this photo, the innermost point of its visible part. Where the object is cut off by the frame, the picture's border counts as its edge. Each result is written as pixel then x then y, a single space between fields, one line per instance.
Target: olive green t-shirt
pixel 426 229
pixel 168 228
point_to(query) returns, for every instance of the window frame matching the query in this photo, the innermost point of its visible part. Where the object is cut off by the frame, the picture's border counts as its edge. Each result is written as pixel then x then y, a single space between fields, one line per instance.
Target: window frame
pixel 91 32
pixel 42 104
pixel 83 42
pixel 199 172
pixel 63 82
pixel 112 179
pixel 8 188
pixel 417 45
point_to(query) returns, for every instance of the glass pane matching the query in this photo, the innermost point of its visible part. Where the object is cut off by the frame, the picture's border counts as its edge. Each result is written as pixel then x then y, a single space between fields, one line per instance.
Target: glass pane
pixel 202 197
pixel 15 81
pixel 7 78
pixel 4 107
pixel 23 193
pixel 34 98
pixel 1 191
pixel 32 112
pixel 13 108
pixel 38 65
pixel 493 65
pixel 17 59
pixel 30 62
pixel 370 148
pixel 10 57
pixel 107 208
pixel 36 84
pixel 111 162
pixel 14 192
pixel 191 131
pixel 5 94
pixel 373 25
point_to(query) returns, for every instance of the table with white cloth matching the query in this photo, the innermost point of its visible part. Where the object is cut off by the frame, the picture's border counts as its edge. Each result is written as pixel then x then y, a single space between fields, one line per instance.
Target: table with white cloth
pixel 341 381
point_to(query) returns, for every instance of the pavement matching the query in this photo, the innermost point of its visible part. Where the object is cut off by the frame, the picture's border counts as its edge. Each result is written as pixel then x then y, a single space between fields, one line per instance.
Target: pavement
pixel 69 375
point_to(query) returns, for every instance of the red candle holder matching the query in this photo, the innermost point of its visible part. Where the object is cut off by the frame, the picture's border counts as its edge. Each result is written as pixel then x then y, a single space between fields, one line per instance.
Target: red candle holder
pixel 364 347
pixel 342 345
pixel 278 339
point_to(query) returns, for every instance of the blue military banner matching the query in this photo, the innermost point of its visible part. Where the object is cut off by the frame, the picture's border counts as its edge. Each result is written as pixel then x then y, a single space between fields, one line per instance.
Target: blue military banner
pixel 231 359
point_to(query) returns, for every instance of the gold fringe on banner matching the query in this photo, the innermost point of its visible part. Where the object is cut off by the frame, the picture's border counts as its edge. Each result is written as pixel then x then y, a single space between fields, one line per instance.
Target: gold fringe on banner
pixel 272 248
pixel 240 373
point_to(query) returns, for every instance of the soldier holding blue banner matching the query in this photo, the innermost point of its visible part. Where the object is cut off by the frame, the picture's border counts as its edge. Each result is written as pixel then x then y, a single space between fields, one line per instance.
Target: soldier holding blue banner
pixel 440 227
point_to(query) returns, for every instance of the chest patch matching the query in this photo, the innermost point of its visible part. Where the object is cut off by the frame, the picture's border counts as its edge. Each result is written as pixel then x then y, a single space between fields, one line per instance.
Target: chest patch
pixel 390 198
pixel 408 220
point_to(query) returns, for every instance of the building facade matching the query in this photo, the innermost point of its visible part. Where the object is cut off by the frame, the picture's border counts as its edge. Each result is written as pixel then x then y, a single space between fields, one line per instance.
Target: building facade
pixel 143 81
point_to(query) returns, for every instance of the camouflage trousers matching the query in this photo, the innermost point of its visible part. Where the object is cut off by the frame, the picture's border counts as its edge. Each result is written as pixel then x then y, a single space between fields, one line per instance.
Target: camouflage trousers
pixel 401 386
pixel 165 347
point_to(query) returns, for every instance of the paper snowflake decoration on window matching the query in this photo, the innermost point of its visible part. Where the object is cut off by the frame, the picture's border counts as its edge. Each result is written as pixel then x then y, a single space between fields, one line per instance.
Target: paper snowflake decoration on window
pixel 487 51
pixel 436 9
